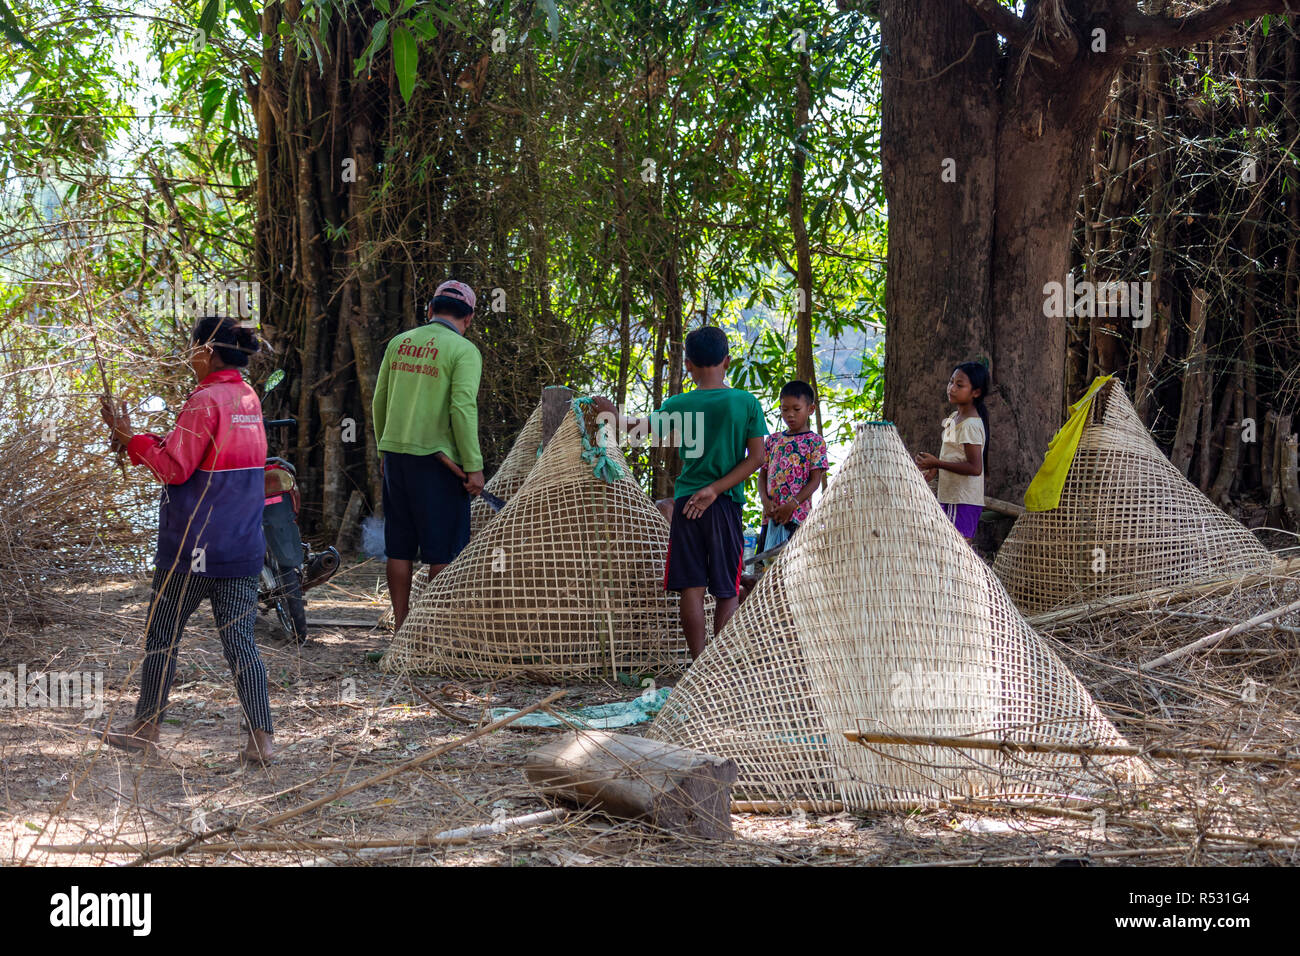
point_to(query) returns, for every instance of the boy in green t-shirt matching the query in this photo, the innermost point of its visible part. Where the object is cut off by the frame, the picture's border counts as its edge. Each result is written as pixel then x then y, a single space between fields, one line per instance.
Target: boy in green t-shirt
pixel 720 431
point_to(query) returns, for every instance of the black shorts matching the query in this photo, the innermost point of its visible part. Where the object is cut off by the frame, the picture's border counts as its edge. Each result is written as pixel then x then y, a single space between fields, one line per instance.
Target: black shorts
pixel 706 552
pixel 426 509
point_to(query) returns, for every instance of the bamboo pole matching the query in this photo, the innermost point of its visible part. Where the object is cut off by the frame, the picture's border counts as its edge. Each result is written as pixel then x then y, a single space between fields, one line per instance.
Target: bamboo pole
pixel 1082 750
pixel 1177 829
pixel 1281 568
pixel 1003 507
pixel 1083 854
pixel 786 806
pixel 458 835
pixel 1217 636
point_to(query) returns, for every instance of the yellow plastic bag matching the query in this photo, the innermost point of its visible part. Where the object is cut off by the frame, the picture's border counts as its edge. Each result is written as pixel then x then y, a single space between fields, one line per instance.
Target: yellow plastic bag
pixel 1044 492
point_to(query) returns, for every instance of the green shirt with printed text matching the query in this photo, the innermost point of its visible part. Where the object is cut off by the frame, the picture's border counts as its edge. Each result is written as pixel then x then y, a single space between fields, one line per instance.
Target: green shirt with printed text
pixel 426 398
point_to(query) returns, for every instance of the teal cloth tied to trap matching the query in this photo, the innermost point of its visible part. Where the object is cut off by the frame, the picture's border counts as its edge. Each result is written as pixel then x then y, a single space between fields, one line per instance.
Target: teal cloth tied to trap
pixel 596 454
pixel 622 713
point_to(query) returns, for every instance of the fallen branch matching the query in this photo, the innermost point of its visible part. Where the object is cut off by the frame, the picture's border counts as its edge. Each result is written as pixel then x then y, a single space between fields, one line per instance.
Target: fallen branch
pixel 1220 635
pixel 360 785
pixel 1177 829
pixel 446 837
pixel 786 806
pixel 437 706
pixel 1082 750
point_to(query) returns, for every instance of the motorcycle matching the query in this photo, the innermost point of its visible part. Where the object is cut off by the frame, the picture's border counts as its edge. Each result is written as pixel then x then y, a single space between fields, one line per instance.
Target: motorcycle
pixel 291 568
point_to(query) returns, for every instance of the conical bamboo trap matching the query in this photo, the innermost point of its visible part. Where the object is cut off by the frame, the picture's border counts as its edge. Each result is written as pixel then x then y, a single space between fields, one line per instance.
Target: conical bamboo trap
pixel 509 478
pixel 505 483
pixel 878 617
pixel 565 582
pixel 1128 521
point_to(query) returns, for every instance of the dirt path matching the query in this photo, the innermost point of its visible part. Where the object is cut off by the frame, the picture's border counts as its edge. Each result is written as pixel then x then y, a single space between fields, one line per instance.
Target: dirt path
pixel 64 798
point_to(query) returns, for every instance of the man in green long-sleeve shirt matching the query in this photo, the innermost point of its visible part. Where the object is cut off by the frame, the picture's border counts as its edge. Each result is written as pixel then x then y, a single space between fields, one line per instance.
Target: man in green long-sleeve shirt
pixel 426 422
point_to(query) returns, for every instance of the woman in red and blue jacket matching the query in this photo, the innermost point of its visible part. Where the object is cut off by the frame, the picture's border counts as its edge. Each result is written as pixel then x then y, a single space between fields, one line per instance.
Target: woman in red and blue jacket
pixel 210 542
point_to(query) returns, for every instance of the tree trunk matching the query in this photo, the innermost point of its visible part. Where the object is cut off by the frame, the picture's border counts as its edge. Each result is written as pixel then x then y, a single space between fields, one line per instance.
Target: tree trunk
pixel 1042 148
pixel 1001 231
pixel 939 176
pixel 1193 388
pixel 805 369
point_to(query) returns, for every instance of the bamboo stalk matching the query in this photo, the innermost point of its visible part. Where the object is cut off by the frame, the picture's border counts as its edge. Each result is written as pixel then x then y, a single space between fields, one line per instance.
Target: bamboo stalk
pixel 1084 854
pixel 1287 473
pixel 1211 639
pixel 1210 618
pixel 1281 568
pixel 1082 750
pixel 466 834
pixel 786 806
pixel 446 837
pixel 1193 399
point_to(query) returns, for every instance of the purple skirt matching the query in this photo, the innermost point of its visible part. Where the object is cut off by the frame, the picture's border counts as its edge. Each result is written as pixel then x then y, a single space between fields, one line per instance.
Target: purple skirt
pixel 965 518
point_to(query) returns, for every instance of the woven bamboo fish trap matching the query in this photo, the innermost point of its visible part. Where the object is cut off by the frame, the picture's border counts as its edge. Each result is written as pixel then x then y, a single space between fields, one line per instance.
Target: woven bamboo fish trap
pixel 1128 521
pixel 879 618
pixel 504 484
pixel 509 478
pixel 566 582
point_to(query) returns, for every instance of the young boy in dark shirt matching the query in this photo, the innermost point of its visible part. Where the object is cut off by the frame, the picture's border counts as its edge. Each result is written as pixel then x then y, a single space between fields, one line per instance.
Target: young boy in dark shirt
pixel 706 544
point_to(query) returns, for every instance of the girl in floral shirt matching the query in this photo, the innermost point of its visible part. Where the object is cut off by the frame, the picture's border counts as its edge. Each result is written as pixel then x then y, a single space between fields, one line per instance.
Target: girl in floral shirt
pixel 796 462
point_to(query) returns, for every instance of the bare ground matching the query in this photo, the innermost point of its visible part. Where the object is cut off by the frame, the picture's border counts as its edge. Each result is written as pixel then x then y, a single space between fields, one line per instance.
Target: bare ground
pixel 65 798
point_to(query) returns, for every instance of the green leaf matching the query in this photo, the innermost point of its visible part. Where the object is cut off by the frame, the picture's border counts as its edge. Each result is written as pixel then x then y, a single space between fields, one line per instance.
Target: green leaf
pixel 1264 22
pixel 212 9
pixel 248 15
pixel 9 27
pixel 378 34
pixel 213 94
pixel 405 59
pixel 426 28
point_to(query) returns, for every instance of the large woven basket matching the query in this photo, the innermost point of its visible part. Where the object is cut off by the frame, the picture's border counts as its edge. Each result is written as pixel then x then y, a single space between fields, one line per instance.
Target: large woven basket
pixel 566 582
pixel 1128 521
pixel 878 617
pixel 504 484
pixel 509 478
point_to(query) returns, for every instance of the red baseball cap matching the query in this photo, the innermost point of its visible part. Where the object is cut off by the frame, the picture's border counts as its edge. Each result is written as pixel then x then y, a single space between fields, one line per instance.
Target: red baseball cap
pixel 457 290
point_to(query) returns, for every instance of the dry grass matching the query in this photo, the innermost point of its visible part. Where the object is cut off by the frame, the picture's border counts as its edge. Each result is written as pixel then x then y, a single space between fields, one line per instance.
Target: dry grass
pixel 66 799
